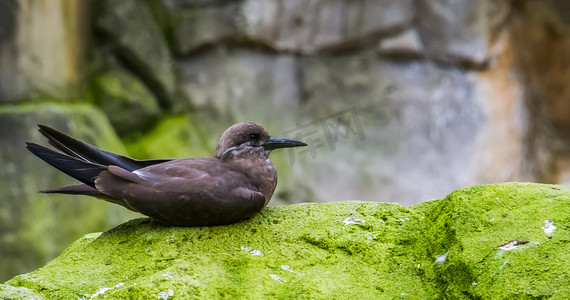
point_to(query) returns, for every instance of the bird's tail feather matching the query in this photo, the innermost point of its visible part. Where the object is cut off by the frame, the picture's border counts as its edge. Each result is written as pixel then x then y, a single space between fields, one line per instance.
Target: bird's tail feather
pixel 89 153
pixel 81 170
pixel 81 189
pixel 81 161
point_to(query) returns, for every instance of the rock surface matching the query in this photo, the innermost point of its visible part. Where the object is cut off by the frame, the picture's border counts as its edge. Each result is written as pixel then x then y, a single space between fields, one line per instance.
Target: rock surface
pixel 139 43
pixel 42 48
pixel 456 248
pixel 122 96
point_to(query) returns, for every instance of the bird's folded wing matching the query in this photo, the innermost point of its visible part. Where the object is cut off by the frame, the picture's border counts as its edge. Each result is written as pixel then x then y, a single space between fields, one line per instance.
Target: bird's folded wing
pixel 195 196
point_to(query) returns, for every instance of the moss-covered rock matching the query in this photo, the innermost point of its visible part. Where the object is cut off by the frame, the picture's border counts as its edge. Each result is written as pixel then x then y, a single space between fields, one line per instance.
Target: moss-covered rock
pixel 472 229
pixel 450 248
pixel 129 28
pixel 11 292
pixel 126 101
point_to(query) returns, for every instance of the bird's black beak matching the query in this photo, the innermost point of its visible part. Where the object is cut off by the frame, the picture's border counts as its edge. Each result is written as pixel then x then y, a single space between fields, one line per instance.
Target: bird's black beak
pixel 276 143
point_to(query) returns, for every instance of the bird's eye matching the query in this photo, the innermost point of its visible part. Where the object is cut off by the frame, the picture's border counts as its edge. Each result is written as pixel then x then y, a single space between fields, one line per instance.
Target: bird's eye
pixel 254 136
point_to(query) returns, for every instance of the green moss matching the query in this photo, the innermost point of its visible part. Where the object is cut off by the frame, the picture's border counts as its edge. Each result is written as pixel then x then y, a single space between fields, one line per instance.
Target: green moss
pixel 11 292
pixel 173 137
pixel 336 250
pixel 471 223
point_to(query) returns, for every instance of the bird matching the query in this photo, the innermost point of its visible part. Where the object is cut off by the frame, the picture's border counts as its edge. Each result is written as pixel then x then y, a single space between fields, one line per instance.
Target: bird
pixel 232 186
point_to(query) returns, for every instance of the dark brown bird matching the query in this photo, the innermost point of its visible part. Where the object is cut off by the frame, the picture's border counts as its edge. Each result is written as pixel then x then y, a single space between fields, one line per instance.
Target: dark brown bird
pixel 231 186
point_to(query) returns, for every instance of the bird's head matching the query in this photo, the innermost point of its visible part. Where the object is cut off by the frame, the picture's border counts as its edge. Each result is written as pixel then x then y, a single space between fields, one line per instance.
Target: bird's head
pixel 248 135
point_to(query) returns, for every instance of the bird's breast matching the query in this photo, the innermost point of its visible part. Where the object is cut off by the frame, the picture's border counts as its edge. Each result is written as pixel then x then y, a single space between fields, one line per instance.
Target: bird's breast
pixel 260 172
pixel 270 167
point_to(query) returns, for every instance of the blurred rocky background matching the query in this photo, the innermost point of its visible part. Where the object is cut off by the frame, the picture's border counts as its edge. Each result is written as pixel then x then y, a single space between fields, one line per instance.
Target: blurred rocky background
pixel 401 100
